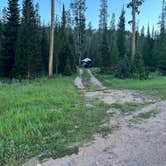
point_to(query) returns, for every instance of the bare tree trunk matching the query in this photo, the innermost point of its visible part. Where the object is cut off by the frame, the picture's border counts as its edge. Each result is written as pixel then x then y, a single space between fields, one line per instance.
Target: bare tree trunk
pixel 52 39
pixel 133 48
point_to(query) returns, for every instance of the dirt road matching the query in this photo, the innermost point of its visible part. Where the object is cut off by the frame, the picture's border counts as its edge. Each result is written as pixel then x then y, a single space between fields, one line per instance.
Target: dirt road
pixel 136 142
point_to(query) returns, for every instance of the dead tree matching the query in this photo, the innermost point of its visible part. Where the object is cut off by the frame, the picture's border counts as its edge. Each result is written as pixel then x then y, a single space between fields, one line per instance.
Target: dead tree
pixel 134 4
pixel 51 56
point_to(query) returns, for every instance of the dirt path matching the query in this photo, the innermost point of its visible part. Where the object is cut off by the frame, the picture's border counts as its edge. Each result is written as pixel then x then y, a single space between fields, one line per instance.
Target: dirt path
pixel 78 81
pixel 141 146
pixel 95 81
pixel 132 144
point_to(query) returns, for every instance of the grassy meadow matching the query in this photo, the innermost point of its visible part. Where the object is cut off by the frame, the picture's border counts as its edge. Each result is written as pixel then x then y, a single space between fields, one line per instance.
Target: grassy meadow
pixel 155 84
pixel 44 118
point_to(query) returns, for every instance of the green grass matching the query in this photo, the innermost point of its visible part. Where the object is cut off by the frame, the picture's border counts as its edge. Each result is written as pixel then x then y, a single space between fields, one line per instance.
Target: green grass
pixel 44 118
pixel 87 81
pixel 106 130
pixel 127 108
pixel 147 115
pixel 144 116
pixel 155 83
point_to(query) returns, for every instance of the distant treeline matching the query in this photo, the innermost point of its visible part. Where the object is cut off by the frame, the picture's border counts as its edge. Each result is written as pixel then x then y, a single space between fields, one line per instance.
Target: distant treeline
pixel 24 43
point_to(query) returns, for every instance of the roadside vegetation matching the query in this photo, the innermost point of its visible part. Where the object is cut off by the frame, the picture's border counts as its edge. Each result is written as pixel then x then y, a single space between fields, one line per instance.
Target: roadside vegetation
pixel 128 108
pixel 156 84
pixel 155 81
pixel 87 81
pixel 44 118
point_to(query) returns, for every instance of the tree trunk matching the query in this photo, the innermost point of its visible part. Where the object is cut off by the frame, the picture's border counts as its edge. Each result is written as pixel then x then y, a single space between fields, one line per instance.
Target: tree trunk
pixel 52 39
pixel 133 48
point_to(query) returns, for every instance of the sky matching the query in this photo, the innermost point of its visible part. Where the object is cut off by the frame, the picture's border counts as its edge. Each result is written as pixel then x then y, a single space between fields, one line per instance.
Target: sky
pixel 150 11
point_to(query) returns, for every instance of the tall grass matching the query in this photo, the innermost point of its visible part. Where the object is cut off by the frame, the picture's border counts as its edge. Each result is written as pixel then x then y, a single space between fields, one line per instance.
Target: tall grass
pixel 42 118
pixel 155 83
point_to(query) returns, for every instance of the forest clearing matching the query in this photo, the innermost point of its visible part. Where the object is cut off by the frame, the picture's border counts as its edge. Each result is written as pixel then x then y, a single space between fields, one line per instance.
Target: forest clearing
pixel 100 121
pixel 82 83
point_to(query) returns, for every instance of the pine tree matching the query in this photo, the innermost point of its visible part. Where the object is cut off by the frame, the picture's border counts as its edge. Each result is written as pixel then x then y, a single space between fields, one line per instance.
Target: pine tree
pixel 134 4
pixel 45 48
pixel 10 37
pixel 124 68
pixel 113 48
pixel 72 54
pixel 38 67
pixel 88 47
pixel 62 55
pixel 105 54
pixel 104 48
pixel 121 35
pixel 0 36
pixel 112 23
pixel 147 51
pixel 141 40
pixel 112 31
pixel 71 43
pixel 28 60
pixel 114 55
pixel 138 68
pixel 79 8
pixel 160 44
pixel 66 58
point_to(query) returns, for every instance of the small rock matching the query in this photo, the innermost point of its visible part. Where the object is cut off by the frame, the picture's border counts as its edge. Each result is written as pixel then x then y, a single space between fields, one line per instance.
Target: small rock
pixel 112 111
pixel 89 105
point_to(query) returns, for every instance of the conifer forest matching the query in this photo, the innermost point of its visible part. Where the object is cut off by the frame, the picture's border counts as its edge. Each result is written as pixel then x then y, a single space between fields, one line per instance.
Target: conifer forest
pixel 52 103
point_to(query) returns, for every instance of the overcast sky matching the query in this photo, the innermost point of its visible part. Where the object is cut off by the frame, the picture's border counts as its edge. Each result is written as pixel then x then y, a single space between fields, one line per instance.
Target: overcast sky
pixel 150 10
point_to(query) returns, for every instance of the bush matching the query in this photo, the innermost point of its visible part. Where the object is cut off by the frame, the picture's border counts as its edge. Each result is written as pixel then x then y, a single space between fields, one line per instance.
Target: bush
pixel 123 68
pixel 67 69
pixel 138 68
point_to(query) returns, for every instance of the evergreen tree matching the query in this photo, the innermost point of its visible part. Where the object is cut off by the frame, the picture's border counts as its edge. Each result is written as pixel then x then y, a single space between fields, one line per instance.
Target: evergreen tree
pixel 88 44
pixel 28 61
pixel 161 58
pixel 105 54
pixel 124 68
pixel 63 48
pixel 138 68
pixel 121 35
pixel 45 48
pixel 0 37
pixel 79 8
pixel 67 64
pixel 160 43
pixel 147 51
pixel 114 55
pixel 112 23
pixel 72 54
pixel 134 5
pixel 4 15
pixel 10 37
pixel 141 40
pixel 113 48
pixel 104 49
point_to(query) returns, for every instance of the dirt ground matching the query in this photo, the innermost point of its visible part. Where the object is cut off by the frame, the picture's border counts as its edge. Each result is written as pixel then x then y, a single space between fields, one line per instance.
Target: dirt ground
pixel 132 144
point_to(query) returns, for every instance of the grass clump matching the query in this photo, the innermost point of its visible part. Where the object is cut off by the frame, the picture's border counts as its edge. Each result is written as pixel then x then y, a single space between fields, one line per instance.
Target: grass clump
pixel 155 82
pixel 106 130
pixel 127 108
pixel 87 81
pixel 144 116
pixel 147 115
pixel 43 118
